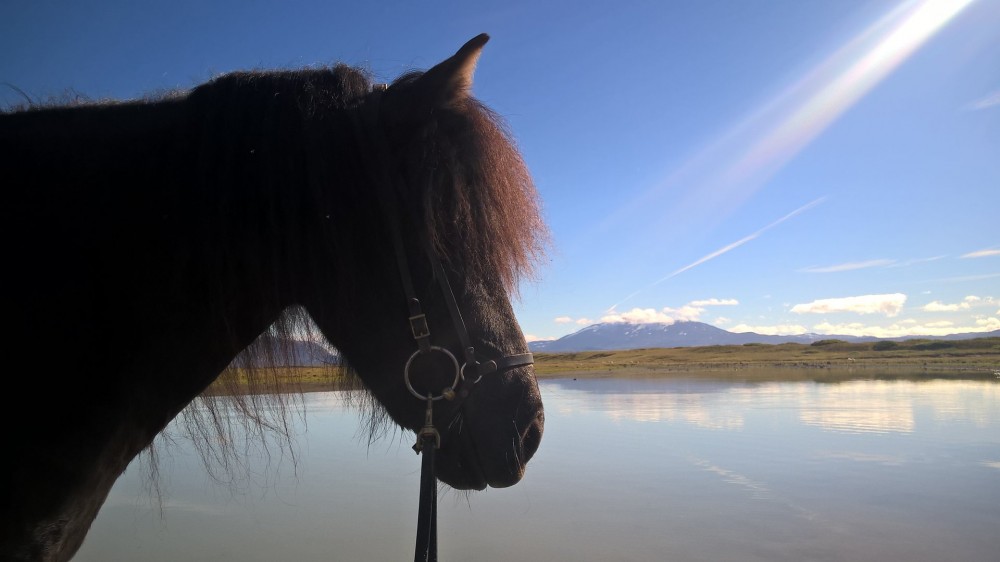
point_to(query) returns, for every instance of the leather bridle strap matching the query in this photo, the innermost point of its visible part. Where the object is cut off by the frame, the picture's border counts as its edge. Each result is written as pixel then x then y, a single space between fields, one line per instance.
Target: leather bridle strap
pixel 418 320
pixel 428 438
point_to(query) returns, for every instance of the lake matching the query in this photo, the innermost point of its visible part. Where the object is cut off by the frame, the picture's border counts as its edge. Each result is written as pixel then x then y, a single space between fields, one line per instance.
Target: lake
pixel 644 469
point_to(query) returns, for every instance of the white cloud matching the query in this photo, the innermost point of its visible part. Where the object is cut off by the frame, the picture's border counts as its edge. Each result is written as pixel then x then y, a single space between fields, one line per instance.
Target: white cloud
pixel 967 303
pixel 889 304
pixel 569 320
pixel 686 313
pixel 938 306
pixel 691 311
pixel 988 324
pixel 849 266
pixel 722 321
pixel 982 253
pixel 903 329
pixel 532 337
pixel 639 316
pixel 775 330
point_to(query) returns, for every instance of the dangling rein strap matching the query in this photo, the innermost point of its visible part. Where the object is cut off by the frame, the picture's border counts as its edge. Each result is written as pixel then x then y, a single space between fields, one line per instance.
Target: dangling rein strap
pixel 426 546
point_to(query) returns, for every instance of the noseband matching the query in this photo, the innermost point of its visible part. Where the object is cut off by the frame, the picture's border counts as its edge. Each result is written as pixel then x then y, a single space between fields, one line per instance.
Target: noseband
pixel 463 380
pixel 466 376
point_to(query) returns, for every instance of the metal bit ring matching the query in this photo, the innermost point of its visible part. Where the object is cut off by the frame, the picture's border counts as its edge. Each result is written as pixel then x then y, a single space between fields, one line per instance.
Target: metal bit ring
pixel 454 384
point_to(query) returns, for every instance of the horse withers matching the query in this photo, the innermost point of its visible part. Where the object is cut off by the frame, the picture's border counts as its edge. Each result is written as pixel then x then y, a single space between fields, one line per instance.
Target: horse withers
pixel 148 243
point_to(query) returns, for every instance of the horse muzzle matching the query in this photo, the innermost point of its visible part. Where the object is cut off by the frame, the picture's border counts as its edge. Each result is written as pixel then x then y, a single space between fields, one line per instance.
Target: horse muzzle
pixel 490 441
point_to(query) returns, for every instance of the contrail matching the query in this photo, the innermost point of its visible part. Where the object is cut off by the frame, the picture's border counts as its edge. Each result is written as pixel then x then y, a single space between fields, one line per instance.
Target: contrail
pixel 723 250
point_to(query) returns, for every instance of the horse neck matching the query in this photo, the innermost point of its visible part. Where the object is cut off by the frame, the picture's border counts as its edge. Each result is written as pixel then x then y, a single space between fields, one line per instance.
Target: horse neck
pixel 153 262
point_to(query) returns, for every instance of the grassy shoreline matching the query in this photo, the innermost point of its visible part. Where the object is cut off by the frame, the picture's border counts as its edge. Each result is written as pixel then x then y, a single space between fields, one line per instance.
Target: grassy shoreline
pixel 824 360
pixel 980 355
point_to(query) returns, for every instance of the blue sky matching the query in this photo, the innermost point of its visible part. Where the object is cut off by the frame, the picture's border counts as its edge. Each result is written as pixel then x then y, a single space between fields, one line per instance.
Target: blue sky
pixel 777 166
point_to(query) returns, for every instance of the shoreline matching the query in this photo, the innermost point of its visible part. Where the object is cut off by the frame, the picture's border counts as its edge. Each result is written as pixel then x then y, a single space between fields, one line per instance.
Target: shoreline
pixel 783 373
pixel 325 379
pixel 824 360
pixel 735 368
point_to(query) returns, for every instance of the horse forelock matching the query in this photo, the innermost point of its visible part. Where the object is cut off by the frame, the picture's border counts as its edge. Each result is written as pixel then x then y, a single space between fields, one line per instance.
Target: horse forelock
pixel 480 206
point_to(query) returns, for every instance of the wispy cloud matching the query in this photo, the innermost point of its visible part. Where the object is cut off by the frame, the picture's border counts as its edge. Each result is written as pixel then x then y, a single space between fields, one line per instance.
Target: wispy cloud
pixel 849 266
pixel 888 304
pixel 914 261
pixel 986 102
pixel 982 253
pixel 966 278
pixel 723 250
pixel 715 302
pixel 562 320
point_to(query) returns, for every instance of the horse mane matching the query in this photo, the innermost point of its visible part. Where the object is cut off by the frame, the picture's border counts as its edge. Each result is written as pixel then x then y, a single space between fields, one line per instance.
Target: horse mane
pixel 480 208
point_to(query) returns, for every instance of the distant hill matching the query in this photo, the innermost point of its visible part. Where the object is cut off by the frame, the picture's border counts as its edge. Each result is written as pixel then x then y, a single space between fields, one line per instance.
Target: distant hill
pixel 621 335
pixel 304 354
pixel 310 354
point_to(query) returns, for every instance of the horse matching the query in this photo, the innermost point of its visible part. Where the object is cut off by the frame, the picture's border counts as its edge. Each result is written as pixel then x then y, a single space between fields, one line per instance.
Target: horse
pixel 149 242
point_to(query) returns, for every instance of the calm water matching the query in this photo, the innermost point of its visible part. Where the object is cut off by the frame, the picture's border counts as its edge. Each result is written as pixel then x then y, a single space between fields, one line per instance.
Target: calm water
pixel 636 469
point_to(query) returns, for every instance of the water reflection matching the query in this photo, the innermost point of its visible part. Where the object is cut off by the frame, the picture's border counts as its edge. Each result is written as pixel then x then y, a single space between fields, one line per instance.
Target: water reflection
pixel 859 406
pixel 629 469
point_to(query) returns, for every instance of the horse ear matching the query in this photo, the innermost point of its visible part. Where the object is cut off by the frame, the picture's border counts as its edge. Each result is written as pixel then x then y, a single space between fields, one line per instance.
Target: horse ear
pixel 451 80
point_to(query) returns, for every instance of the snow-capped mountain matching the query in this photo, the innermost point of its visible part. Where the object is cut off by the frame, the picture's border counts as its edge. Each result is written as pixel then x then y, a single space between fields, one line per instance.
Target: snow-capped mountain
pixel 621 335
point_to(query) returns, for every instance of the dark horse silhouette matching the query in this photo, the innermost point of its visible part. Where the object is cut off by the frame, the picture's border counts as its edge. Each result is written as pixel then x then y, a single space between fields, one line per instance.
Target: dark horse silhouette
pixel 146 243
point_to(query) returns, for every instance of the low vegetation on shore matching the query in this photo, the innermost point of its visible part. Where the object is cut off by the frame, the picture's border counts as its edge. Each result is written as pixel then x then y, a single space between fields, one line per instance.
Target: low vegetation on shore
pixel 980 354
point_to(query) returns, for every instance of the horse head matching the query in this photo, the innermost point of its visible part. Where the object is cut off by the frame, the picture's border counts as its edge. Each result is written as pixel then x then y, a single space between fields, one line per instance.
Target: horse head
pixel 457 225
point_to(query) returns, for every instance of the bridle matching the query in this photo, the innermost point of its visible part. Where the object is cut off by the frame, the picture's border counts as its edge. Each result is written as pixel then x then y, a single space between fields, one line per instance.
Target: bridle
pixel 466 376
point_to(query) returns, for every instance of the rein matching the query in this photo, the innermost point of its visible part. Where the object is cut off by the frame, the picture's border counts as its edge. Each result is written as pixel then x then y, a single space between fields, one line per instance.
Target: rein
pixel 466 376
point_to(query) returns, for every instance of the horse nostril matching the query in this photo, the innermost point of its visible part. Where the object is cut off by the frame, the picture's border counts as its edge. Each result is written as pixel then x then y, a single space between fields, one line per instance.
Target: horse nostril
pixel 532 436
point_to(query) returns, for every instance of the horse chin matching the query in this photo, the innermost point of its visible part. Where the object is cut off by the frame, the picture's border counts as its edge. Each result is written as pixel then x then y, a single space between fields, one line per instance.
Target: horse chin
pixel 460 477
pixel 464 466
